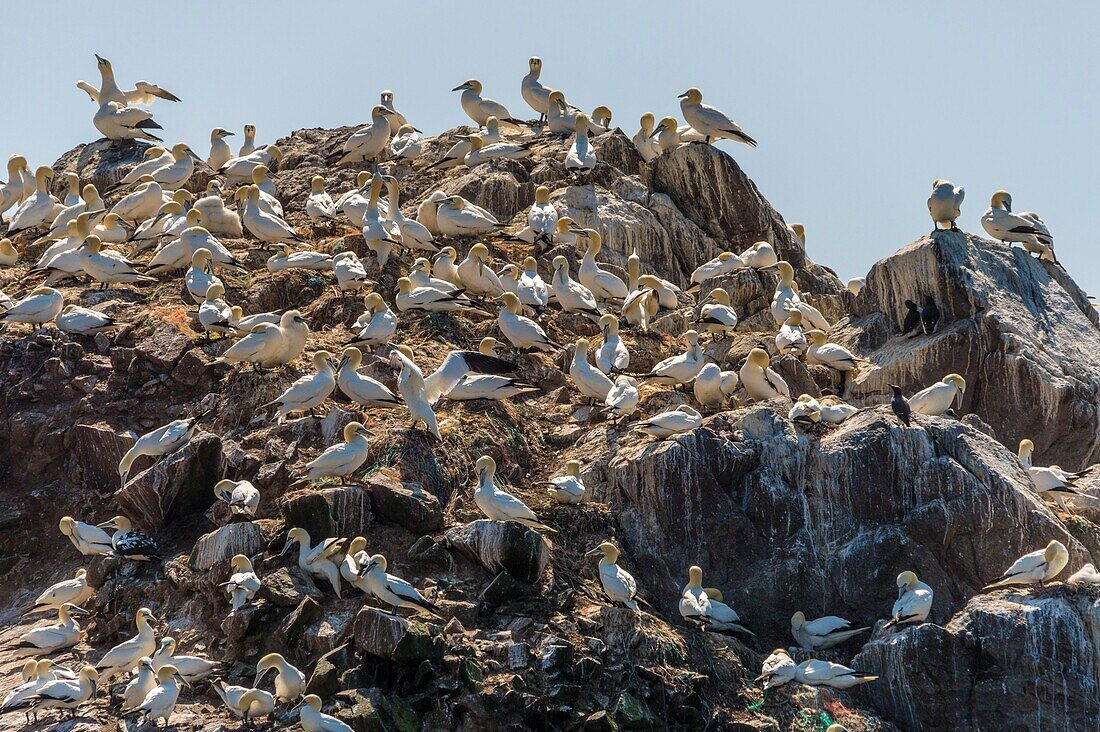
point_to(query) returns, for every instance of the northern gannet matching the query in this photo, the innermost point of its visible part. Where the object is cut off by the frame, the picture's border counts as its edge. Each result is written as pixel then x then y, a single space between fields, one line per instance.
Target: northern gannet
pixel 806 410
pixel 602 284
pixel 532 297
pixel 673 422
pixel 119 122
pixel 414 235
pixel 290 683
pixel 815 672
pixel 216 217
pixel 143 92
pixel 113 229
pixel 73 196
pixel 243 497
pixel 89 540
pixel 177 253
pixel 143 682
pixel 482 153
pixel 542 219
pixel 1052 480
pixel 457 154
pixel 856 285
pixel 710 122
pixel 200 276
pixel 39 307
pixel 668 135
pixel 566 231
pixel 497 504
pixel 694 603
pixel 248 144
pixel 760 255
pixel 786 296
pixel 936 399
pixel 240 168
pixel 810 314
pixel 568 488
pixel 713 386
pixel 75 591
pixel 459 365
pixel 622 398
pixel 318 560
pixel 835 356
pixel 601 116
pixel 1087 575
pixel 455 216
pixel 723 618
pixel 522 332
pixel 52 638
pixel 246 703
pixel 267 227
pixel 479 108
pixel 319 205
pixel 38 209
pixel 176 174
pixel 287 258
pixel 914 601
pixel 220 154
pixel 411 386
pixel 643 138
pixel 618 584
pixel 612 355
pixel 1040 566
pixel 397 120
pixel 313 720
pixel 369 142
pixel 57 693
pixel 12 192
pixel 124 657
pixel 160 442
pixel 1025 227
pixel 944 204
pixel 343 458
pixel 391 590
pixel 129 543
pixel 778 669
pixel 362 389
pixel 376 325
pixel 88 202
pixel 533 92
pixel 160 703
pixel 430 299
pixel 790 338
pixel 190 668
pixel 478 278
pixel 215 315
pixel 723 264
pixel 824 632
pixel 350 272
pixel 154 158
pixel 561 117
pixel 445 266
pixel 681 368
pixel 588 380
pixel 760 381
pixel 149 232
pixel 269 197
pixel 581 155
pixel 405 144
pixel 717 316
pixel 142 203
pixel 309 391
pixel 570 294
pixel 380 233
pixel 641 304
pixel 833 410
pixel 245 323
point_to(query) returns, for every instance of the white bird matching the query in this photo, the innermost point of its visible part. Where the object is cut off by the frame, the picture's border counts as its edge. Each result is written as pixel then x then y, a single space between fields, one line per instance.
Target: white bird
pixel 220 154
pixel 622 398
pixel 287 258
pixel 694 603
pixel 1040 566
pixel 75 591
pixel 108 268
pixel 815 672
pixel 154 158
pixel 581 155
pixel 88 202
pixel 420 273
pixel 245 323
pixel 806 410
pixel 479 108
pixel 308 392
pixel 914 601
pixel 269 197
pixel 125 657
pixel 362 389
pixel 1047 480
pixel 478 278
pixel 50 639
pixel 11 192
pixel 290 683
pixel 380 233
pixel 391 590
pixel 670 135
pixel 405 144
pixel 411 387
pixel 568 488
pixel 160 703
pixel 160 442
pixel 376 325
pixel 368 143
pixel 531 89
pixel 643 138
pixel 760 381
pixel 643 303
pixel 265 226
pixel 240 168
pixel 318 560
pixel 710 122
pixel 149 232
pixel 243 497
pixel 833 410
pixel 681 368
pixel 270 345
pixel 1025 227
pixel 176 174
pixel 618 584
pixel 856 285
pixel 810 314
pixel 713 386
pixel 215 315
pixel 786 296
pixel 120 122
pixel 944 204
pixel 445 266
pixel 561 118
pixel 414 235
pixel 778 669
pixel 936 399
pixel 143 92
pixel 143 682
pixel 38 209
pixel 247 703
pixel 824 632
pixel 526 290
pixel 542 219
pixel 717 316
pixel 570 294
pixel 674 422
pixel 313 720
pixel 521 331
pixel 455 216
pixel 319 205
pixel 791 338
pixel 461 364
pixel 430 299
pixel 1087 575
pixel 248 145
pixel 349 271
pixel 89 540
pixel 722 617
pixel 216 217
pixel 39 307
pixel 835 356
pixel 612 355
pixel 57 693
pixel 723 264
pixel 82 321
pixel 343 458
pixel 142 203
pixel 482 153
pixel 588 379
pixel 190 668
pixel 497 504
pixel 603 284
pixel 200 275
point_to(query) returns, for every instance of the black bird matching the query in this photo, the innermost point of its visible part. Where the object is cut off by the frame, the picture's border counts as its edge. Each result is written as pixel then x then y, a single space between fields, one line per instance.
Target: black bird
pixel 912 317
pixel 929 315
pixel 900 406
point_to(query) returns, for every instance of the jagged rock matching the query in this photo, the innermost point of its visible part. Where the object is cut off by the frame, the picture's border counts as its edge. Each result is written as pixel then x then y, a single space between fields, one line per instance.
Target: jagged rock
pixel 502 545
pixel 392 637
pixel 1008 660
pixel 340 511
pixel 288 586
pixel 1021 333
pixel 502 589
pixel 223 544
pixel 364 714
pixel 325 679
pixel 191 367
pixel 406 504
pixel 290 632
pixel 97 450
pixel 102 163
pixel 164 347
pixel 237 625
pixel 175 486
pixel 633 713
pixel 813 524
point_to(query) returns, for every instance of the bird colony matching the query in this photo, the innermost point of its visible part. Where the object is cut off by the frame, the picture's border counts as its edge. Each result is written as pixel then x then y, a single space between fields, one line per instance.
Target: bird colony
pixel 440 322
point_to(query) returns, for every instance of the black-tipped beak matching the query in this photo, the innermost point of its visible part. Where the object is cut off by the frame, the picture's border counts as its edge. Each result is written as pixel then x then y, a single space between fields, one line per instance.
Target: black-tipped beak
pixel 593 552
pixel 99 58
pixel 682 96
pixel 655 133
pixel 460 87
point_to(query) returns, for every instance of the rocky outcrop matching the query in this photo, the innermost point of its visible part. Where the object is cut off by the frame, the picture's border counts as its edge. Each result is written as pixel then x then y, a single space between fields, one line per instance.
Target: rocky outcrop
pixel 223 544
pixel 339 511
pixel 502 546
pixel 1021 333
pixel 392 637
pixel 177 485
pixel 97 450
pixel 405 504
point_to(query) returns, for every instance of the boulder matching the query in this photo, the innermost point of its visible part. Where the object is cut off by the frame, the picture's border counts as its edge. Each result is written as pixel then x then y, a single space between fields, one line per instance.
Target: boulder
pixel 97 450
pixel 340 511
pixel 288 586
pixel 164 347
pixel 365 711
pixel 1018 329
pixel 392 637
pixel 223 544
pixel 102 163
pixel 325 679
pixel 502 546
pixel 237 625
pixel 293 628
pixel 407 505
pixel 1008 660
pixel 177 485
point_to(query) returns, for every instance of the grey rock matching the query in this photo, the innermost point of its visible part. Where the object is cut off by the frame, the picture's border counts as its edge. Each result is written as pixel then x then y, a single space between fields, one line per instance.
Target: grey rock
pixel 223 544
pixel 339 511
pixel 97 450
pixel 502 545
pixel 405 504
pixel 288 586
pixel 177 485
pixel 392 637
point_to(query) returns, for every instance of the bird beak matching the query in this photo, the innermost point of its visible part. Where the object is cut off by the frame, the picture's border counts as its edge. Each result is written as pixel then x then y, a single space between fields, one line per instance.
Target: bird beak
pixel 95 688
pixel 481 474
pixel 959 397
pixel 593 552
pixel 79 611
pixel 99 58
pixel 606 329
pixel 655 132
pixel 286 547
pixel 460 87
pixel 182 681
pixel 343 361
pixel 107 525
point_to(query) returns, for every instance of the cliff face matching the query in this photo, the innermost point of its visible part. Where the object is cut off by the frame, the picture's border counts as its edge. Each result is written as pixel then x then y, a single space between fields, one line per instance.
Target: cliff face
pixel 780 519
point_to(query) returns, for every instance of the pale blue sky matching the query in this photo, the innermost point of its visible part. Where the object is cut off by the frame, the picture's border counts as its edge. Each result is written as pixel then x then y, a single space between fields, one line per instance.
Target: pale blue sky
pixel 857 106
